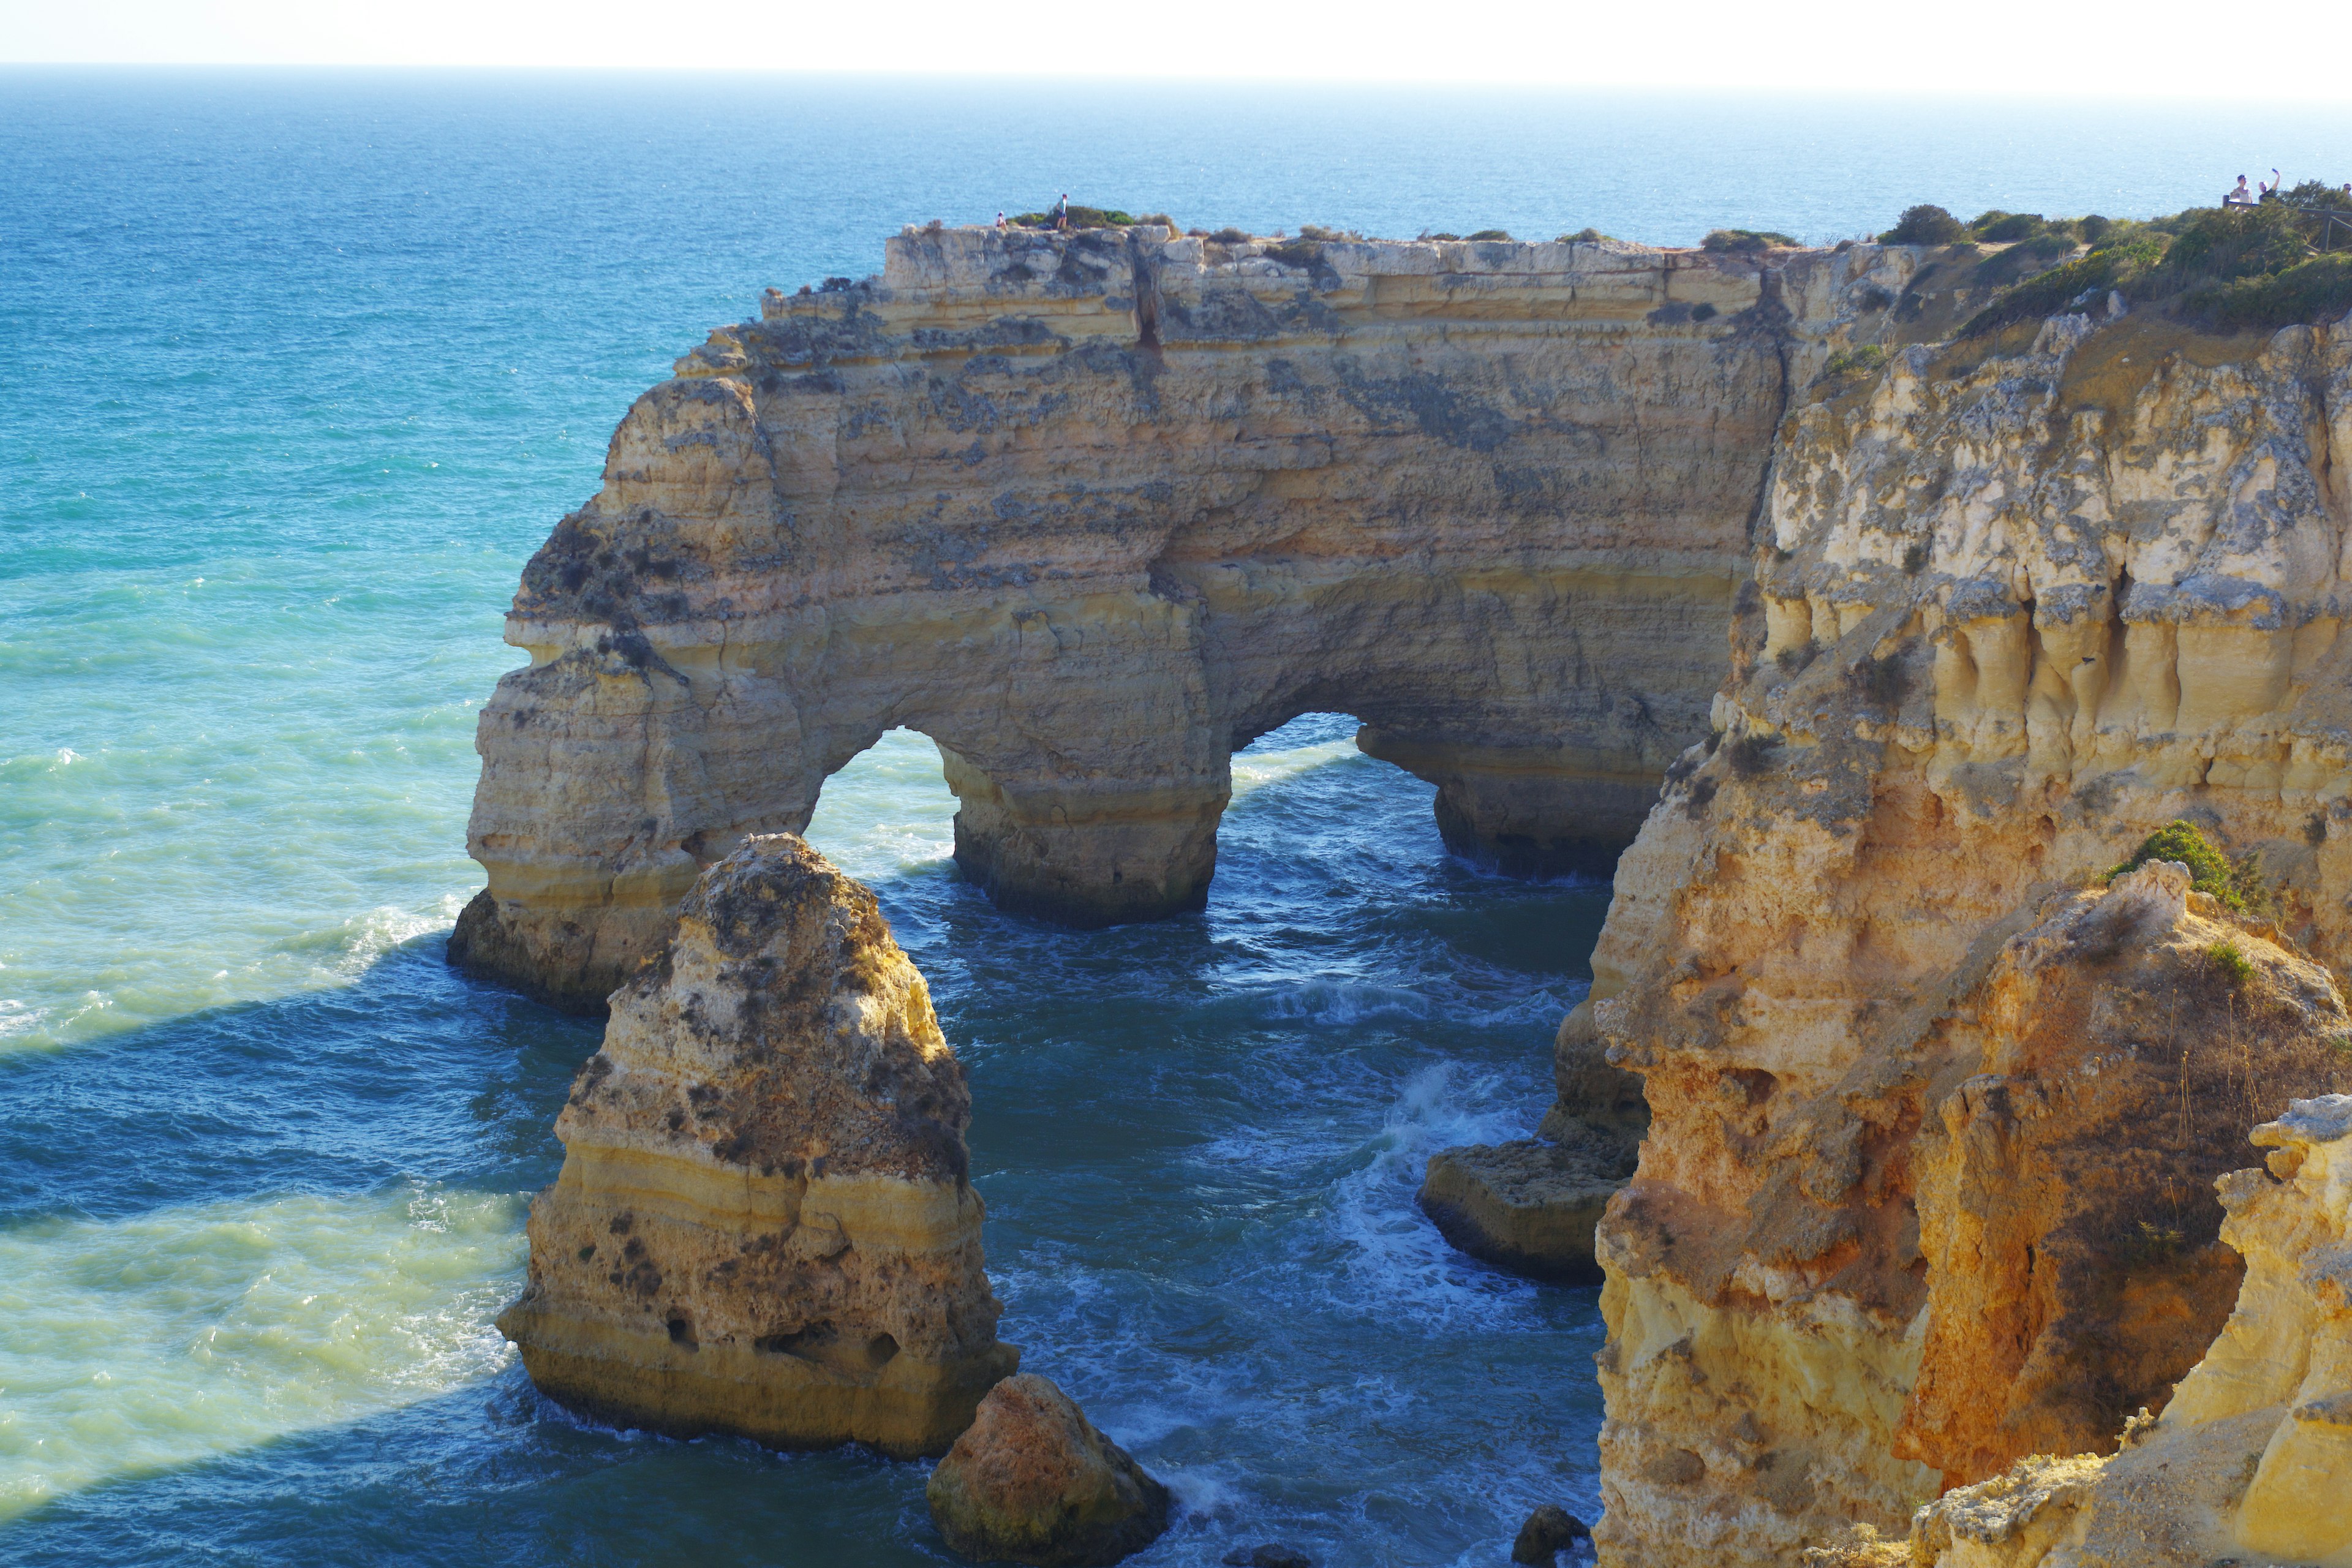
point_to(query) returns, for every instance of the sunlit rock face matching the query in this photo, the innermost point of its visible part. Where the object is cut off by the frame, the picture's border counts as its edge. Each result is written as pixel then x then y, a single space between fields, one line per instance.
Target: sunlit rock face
pixel 2252 1458
pixel 1092 511
pixel 764 1225
pixel 2018 602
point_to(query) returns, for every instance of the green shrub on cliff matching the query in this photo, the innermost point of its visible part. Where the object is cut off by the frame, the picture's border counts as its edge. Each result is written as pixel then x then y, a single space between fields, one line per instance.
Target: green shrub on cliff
pixel 1081 217
pixel 2209 871
pixel 1744 241
pixel 1924 225
pixel 2226 268
pixel 2004 228
pixel 1854 361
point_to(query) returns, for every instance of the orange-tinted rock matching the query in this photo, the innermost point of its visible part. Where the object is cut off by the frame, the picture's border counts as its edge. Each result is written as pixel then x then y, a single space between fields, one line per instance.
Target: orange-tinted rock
pixel 1032 1481
pixel 2073 1264
pixel 764 1225
pixel 2021 603
pixel 2251 1461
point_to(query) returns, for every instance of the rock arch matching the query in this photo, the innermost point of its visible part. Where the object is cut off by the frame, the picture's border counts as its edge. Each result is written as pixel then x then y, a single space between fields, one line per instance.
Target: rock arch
pixel 1494 499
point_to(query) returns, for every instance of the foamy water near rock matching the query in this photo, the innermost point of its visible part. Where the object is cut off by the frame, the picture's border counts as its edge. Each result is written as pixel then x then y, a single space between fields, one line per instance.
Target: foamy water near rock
pixel 764 1223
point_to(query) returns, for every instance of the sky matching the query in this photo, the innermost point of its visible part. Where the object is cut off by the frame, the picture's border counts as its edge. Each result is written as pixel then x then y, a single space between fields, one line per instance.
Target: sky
pixel 2075 48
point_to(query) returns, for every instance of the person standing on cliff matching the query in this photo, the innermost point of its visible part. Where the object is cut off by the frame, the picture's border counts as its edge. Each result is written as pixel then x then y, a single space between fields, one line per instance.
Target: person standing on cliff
pixel 1062 211
pixel 2240 197
pixel 1000 220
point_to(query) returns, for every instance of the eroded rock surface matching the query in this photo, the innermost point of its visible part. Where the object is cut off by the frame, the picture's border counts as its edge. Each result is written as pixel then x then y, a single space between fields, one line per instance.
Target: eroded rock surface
pixel 2251 1461
pixel 1033 1481
pixel 2021 602
pixel 1529 1206
pixel 1092 511
pixel 764 1223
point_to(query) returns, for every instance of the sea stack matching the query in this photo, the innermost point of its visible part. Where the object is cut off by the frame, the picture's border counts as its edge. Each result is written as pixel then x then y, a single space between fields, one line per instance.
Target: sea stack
pixel 764 1225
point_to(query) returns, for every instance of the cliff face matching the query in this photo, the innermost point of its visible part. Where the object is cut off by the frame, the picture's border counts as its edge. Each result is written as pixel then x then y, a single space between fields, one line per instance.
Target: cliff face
pixel 764 1225
pixel 1921 1192
pixel 1092 510
pixel 2253 1457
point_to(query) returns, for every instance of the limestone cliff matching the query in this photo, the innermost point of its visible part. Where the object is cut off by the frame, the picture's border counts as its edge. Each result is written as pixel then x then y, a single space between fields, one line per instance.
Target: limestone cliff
pixel 1921 1193
pixel 1094 509
pixel 2252 1458
pixel 764 1225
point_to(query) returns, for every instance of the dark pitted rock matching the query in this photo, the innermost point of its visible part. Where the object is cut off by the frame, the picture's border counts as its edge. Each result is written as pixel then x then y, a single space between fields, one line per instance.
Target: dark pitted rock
pixel 1032 1481
pixel 1548 1532
pixel 1528 1206
pixel 764 1225
pixel 1273 1554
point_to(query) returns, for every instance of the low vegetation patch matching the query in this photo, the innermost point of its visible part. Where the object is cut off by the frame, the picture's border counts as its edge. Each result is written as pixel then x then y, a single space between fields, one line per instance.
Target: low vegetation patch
pixel 1924 225
pixel 2230 964
pixel 1744 241
pixel 1489 234
pixel 1854 361
pixel 1584 236
pixel 2222 269
pixel 1086 217
pixel 2237 884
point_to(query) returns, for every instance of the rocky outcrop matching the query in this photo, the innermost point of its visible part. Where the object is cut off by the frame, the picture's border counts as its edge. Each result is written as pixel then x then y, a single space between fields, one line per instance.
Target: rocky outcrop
pixel 1530 1205
pixel 764 1223
pixel 2252 1458
pixel 1923 1190
pixel 1033 1481
pixel 1094 509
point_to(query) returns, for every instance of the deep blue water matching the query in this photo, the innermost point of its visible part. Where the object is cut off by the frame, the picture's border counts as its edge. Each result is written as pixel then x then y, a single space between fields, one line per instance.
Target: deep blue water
pixel 295 371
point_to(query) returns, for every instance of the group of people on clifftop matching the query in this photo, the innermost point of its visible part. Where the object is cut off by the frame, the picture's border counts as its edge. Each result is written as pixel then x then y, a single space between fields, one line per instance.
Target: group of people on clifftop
pixel 2268 191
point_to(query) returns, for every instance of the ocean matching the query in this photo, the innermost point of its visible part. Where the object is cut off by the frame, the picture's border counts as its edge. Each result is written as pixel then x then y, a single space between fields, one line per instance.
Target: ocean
pixel 296 370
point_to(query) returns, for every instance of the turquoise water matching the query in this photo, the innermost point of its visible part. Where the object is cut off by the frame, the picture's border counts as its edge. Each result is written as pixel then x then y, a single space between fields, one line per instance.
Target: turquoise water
pixel 295 371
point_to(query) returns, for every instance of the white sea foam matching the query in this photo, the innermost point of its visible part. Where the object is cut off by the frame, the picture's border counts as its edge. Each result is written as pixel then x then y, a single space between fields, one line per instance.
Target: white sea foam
pixel 216 1326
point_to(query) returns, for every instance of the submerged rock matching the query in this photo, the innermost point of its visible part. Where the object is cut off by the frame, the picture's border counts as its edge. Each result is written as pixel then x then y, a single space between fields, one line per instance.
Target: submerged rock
pixel 764 1225
pixel 1550 1530
pixel 1273 1554
pixel 1032 1481
pixel 1528 1206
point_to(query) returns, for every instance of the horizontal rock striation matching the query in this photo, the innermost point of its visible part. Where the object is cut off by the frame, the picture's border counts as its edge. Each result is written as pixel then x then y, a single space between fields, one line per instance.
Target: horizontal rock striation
pixel 1094 509
pixel 1922 1191
pixel 763 1226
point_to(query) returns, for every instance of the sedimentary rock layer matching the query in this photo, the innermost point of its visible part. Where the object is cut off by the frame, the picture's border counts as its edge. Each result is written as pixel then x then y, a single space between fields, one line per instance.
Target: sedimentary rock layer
pixel 764 1225
pixel 2252 1458
pixel 2021 601
pixel 1094 509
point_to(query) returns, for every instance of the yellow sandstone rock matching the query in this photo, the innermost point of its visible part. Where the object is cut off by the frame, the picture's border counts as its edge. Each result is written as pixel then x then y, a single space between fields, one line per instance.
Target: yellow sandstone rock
pixel 2251 1461
pixel 764 1225
pixel 2020 601
pixel 1094 509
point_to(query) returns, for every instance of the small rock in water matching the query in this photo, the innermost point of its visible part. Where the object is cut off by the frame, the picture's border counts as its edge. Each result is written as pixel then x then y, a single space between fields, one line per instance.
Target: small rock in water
pixel 1032 1481
pixel 1547 1531
pixel 1270 1556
